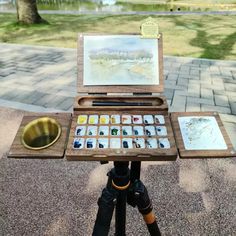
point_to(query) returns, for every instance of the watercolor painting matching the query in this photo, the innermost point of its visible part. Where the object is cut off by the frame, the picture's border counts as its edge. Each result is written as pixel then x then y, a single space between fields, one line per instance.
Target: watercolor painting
pixel 120 60
pixel 201 133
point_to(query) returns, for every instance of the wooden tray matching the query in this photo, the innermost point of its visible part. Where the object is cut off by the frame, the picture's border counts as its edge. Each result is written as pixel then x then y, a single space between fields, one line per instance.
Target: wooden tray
pixel 57 150
pixel 221 142
pixel 85 103
pixel 121 154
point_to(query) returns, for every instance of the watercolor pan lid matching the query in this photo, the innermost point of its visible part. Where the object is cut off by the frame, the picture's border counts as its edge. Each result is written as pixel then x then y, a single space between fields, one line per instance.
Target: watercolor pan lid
pixel 124 63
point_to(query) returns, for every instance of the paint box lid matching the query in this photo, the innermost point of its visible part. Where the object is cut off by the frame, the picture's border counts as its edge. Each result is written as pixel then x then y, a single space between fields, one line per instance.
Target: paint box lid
pixel 119 64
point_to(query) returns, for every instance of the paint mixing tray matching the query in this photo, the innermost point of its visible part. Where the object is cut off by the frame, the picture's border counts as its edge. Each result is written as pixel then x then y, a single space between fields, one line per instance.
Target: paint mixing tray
pixel 125 135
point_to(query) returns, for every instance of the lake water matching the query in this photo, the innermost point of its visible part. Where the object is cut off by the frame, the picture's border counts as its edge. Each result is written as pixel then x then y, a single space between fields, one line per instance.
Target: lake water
pixel 111 5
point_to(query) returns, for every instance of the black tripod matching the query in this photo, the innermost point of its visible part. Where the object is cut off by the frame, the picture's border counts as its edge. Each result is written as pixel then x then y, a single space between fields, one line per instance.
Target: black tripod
pixel 123 186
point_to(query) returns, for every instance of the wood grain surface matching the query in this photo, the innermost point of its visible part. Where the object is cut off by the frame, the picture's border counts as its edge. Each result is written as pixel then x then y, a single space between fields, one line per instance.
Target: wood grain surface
pixel 183 153
pixel 57 150
pixel 159 103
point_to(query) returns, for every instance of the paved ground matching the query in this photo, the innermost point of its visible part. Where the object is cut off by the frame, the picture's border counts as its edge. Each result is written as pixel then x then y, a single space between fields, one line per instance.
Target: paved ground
pixel 36 78
pixel 57 197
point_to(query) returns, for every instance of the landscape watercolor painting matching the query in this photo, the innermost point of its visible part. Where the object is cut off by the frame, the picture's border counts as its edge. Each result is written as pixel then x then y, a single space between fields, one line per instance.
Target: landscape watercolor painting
pixel 120 60
pixel 201 133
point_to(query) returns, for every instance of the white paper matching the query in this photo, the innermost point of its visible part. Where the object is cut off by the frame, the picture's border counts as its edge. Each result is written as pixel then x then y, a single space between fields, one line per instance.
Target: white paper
pixel 201 133
pixel 120 60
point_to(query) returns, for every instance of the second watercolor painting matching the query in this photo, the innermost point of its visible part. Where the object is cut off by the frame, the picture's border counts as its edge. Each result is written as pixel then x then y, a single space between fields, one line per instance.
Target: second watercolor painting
pixel 120 60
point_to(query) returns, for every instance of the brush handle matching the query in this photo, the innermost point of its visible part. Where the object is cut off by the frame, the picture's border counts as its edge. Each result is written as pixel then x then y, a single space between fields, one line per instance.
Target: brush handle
pixel 115 103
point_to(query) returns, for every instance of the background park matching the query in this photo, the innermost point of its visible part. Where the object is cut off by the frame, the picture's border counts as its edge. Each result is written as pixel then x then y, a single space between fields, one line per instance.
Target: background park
pixel 38 73
pixel 194 35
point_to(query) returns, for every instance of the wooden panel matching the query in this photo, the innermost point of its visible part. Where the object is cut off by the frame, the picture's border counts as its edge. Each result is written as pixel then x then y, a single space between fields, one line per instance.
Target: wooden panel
pixel 229 152
pixel 118 88
pixel 121 154
pixel 57 150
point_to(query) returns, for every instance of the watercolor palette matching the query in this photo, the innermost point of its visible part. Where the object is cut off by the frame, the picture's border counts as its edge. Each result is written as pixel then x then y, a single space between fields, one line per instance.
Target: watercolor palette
pixel 114 136
pixel 110 135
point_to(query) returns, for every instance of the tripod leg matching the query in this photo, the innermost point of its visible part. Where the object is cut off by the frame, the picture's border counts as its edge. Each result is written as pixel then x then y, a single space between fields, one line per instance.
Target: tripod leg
pixel 120 214
pixel 106 205
pixel 115 191
pixel 139 196
pixel 120 182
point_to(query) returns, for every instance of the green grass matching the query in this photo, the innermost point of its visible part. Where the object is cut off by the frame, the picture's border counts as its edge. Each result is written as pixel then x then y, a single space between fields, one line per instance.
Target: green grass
pixel 182 1
pixel 208 36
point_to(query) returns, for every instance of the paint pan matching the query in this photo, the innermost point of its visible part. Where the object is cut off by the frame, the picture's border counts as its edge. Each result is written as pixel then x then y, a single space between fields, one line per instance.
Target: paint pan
pixel 92 130
pixel 103 143
pixel 150 130
pixel 161 130
pixel 78 143
pixel 138 131
pixel 151 143
pixel 104 119
pixel 139 143
pixel 103 131
pixel 126 130
pixel 91 143
pixel 80 130
pixel 126 119
pixel 148 119
pixel 93 119
pixel 115 130
pixel 115 119
pixel 159 119
pixel 137 119
pixel 127 143
pixel 164 143
pixel 82 119
pixel 115 143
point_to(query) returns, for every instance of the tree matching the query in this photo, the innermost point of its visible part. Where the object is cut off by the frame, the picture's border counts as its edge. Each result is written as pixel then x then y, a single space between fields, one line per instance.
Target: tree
pixel 27 12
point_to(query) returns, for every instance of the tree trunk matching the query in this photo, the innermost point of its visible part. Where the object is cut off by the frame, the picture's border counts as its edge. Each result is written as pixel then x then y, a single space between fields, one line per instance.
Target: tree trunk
pixel 27 12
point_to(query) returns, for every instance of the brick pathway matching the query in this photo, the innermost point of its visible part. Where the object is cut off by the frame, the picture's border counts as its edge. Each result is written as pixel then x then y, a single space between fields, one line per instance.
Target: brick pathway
pixel 44 79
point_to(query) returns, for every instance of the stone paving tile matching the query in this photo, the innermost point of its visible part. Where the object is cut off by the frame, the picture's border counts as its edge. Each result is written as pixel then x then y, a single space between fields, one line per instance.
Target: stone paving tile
pixel 46 76
pixel 207 93
pixel 172 76
pixel 32 97
pixel 230 87
pixel 178 103
pixel 194 90
pixel 221 100
pixel 233 107
pixel 66 104
pixel 201 101
pixel 182 81
pixel 169 93
pixel 219 109
pixel 193 106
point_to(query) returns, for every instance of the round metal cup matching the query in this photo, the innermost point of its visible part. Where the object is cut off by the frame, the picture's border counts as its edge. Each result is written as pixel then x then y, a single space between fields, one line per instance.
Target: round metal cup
pixel 41 133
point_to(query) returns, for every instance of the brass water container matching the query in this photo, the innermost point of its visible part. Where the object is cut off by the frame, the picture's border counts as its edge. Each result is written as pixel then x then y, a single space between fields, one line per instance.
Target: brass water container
pixel 41 133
